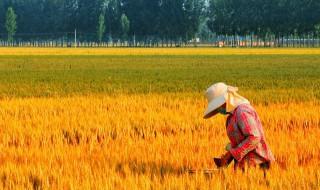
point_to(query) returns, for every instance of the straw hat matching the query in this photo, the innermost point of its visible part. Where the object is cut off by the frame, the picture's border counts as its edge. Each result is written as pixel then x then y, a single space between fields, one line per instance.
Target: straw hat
pixel 219 94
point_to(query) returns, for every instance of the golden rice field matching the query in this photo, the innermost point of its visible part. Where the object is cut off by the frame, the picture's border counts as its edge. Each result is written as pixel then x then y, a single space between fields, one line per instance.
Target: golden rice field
pixel 158 51
pixel 76 121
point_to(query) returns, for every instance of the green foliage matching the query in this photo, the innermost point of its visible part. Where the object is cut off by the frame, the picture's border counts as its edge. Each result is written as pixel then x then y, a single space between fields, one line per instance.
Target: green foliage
pixel 317 28
pixel 194 10
pixel 155 19
pixel 11 23
pixel 112 16
pixel 279 17
pixel 2 17
pixel 180 19
pixel 101 27
pixel 166 20
pixel 125 26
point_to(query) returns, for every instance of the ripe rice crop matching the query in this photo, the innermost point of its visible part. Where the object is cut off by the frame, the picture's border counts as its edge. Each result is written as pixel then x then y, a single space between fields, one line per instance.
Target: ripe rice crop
pixel 135 122
pixel 158 51
pixel 145 141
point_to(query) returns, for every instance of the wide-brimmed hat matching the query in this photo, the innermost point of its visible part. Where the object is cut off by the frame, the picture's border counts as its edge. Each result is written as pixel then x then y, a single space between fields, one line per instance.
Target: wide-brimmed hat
pixel 220 94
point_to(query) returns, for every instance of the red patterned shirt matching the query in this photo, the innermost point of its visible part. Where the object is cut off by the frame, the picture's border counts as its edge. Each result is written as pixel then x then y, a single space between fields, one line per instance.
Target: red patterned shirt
pixel 248 143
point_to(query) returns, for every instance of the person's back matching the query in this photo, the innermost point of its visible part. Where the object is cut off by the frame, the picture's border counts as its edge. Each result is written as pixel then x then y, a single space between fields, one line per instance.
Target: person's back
pixel 247 139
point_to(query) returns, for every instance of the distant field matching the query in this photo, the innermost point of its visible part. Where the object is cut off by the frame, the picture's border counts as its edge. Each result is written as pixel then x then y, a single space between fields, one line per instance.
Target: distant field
pixel 159 51
pixel 132 118
pixel 263 78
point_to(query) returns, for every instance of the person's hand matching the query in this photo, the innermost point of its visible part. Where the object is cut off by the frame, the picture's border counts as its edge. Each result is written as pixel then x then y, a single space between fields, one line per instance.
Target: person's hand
pixel 226 159
pixel 228 147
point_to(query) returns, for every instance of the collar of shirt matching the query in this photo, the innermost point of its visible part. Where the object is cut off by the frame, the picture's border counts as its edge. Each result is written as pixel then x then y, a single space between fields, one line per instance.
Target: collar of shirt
pixel 231 113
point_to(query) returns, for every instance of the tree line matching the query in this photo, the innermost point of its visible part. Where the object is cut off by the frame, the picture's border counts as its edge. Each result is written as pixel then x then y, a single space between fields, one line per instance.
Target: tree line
pixel 158 21
pixel 277 19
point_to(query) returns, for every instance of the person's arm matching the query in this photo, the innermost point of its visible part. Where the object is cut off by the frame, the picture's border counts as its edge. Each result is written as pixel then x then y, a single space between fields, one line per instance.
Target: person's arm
pixel 249 128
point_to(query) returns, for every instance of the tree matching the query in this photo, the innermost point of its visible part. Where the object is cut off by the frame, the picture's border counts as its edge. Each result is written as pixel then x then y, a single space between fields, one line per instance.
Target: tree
pixel 11 24
pixel 220 16
pixel 101 27
pixel 194 9
pixel 2 15
pixel 52 11
pixel 86 18
pixel 125 26
pixel 171 21
pixel 69 9
pixel 144 18
pixel 112 18
pixel 317 29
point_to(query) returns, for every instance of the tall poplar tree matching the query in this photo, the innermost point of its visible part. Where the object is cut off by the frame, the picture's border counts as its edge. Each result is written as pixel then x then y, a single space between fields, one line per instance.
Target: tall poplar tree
pixel 125 26
pixel 11 23
pixel 101 27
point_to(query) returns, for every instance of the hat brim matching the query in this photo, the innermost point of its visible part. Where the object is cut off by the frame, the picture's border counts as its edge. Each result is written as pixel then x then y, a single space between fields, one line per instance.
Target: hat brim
pixel 213 106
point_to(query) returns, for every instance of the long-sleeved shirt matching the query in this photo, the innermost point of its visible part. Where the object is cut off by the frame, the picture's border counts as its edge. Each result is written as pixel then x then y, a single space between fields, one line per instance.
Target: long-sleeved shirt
pixel 247 139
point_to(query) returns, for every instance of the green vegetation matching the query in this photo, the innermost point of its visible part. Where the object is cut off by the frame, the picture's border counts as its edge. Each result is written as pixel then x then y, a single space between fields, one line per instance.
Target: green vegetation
pixel 167 21
pixel 125 26
pixel 11 23
pixel 269 77
pixel 101 28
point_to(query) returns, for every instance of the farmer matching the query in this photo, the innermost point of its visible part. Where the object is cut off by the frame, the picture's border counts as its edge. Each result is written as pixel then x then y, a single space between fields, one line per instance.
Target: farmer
pixel 248 146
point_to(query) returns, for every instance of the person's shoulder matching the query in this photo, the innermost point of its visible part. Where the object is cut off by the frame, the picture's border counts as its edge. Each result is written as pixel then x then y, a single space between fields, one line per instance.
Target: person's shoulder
pixel 244 108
